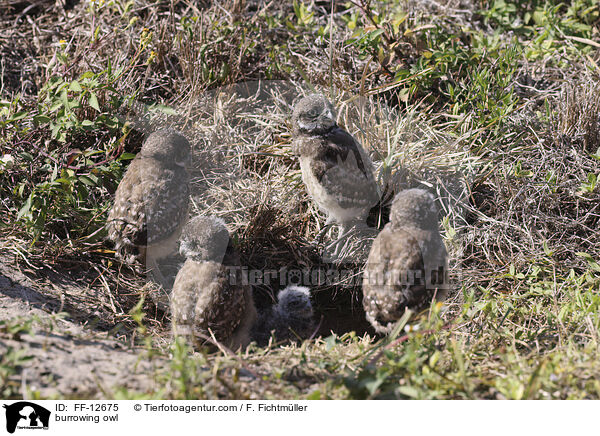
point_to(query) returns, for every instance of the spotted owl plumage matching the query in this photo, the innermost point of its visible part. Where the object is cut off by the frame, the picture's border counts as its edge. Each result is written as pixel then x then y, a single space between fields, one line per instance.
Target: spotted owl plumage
pixel 407 264
pixel 336 170
pixel 208 293
pixel 151 202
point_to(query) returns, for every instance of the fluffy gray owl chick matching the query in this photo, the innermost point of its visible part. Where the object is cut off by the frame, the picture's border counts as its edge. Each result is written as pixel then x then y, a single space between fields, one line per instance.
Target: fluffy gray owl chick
pixel 290 319
pixel 407 265
pixel 208 292
pixel 151 202
pixel 337 172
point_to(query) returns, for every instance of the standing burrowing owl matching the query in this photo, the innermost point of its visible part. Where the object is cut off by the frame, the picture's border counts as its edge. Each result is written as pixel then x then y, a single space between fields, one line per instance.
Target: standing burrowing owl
pixel 208 294
pixel 290 319
pixel 151 202
pixel 337 172
pixel 407 265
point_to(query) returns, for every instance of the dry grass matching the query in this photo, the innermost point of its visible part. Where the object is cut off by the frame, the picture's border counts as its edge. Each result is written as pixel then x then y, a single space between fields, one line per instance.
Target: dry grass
pixel 519 206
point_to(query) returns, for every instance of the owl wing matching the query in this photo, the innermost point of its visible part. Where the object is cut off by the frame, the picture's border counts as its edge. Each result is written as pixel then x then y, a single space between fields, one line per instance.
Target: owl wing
pixel 203 299
pixel 394 279
pixel 344 140
pixel 435 261
pixel 183 300
pixel 167 202
pixel 345 171
pixel 150 204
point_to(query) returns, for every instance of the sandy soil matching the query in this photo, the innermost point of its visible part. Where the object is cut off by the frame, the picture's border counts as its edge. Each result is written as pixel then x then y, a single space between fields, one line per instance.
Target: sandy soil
pixel 69 359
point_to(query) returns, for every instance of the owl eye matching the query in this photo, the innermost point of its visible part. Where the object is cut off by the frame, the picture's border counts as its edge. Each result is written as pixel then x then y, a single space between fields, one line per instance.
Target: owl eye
pixel 312 113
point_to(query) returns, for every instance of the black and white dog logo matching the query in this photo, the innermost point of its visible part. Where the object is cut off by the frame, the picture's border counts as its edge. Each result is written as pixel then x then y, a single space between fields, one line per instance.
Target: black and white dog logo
pixel 26 415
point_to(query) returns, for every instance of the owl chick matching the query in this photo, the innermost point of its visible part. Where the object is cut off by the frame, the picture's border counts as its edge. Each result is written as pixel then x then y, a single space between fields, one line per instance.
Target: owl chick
pixel 290 319
pixel 407 264
pixel 337 172
pixel 208 294
pixel 151 202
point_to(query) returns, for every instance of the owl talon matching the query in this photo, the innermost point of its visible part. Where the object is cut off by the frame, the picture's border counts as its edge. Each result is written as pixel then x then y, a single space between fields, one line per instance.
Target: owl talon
pixel 156 275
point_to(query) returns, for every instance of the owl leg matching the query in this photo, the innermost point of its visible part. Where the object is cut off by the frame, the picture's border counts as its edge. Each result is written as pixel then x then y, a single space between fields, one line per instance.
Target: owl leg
pixel 352 241
pixel 155 273
pixel 329 222
pixel 160 294
pixel 343 230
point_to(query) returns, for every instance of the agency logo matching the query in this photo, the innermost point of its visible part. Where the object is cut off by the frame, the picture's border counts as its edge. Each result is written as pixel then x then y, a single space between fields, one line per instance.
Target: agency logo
pixel 27 416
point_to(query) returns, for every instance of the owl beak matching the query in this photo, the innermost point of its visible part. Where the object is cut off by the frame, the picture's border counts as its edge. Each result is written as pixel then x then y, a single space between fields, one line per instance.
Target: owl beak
pixel 328 115
pixel 327 118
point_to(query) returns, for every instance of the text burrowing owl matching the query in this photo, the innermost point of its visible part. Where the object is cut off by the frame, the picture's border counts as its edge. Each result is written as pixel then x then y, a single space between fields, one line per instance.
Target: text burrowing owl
pixel 407 265
pixel 208 294
pixel 290 319
pixel 151 202
pixel 337 172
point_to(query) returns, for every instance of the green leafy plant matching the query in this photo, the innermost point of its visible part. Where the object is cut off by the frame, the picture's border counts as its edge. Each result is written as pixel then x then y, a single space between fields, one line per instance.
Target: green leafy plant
pixel 588 186
pixel 303 14
pixel 66 194
pixel 11 363
pixel 69 106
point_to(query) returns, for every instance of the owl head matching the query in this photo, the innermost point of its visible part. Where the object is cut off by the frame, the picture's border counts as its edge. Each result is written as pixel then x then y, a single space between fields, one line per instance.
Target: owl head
pixel 414 207
pixel 294 301
pixel 205 238
pixel 313 114
pixel 167 146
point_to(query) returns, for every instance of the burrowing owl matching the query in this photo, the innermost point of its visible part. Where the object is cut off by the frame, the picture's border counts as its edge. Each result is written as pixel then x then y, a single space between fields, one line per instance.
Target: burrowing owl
pixel 151 202
pixel 407 265
pixel 290 319
pixel 337 172
pixel 208 293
